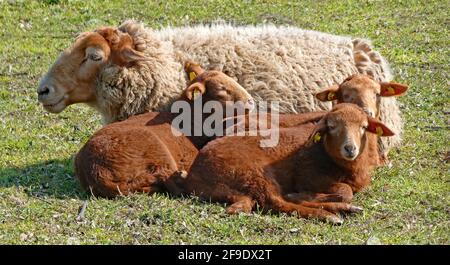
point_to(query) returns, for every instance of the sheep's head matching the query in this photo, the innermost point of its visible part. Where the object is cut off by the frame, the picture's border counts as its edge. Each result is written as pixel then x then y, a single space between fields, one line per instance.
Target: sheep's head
pixel 215 86
pixel 72 78
pixel 363 91
pixel 343 131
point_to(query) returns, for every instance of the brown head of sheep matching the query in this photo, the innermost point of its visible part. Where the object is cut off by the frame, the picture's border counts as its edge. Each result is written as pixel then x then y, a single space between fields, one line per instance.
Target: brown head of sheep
pixel 71 79
pixel 363 91
pixel 141 153
pixel 326 159
pixel 215 85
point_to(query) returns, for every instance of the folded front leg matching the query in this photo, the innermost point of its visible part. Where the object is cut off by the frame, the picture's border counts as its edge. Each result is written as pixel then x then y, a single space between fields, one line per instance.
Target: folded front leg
pixel 338 192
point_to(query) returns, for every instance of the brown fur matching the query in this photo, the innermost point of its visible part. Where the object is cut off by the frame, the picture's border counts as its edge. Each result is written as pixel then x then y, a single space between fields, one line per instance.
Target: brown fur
pixel 140 154
pixel 312 174
pixel 363 91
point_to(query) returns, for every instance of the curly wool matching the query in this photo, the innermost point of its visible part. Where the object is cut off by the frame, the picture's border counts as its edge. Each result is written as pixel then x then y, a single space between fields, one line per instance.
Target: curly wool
pixel 284 64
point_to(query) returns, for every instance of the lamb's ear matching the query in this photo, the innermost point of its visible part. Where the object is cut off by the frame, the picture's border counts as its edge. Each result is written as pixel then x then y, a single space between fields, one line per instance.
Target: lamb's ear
pixel 389 89
pixel 319 132
pixel 377 127
pixel 195 90
pixel 193 70
pixel 328 94
pixel 131 55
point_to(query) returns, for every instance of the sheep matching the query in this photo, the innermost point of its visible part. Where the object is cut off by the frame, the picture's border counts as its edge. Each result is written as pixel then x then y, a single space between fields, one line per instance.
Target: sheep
pixel 284 64
pixel 141 153
pixel 320 165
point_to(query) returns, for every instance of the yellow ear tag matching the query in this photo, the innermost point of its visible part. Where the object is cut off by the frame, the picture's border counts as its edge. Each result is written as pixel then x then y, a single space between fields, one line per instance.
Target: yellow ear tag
pixel 317 137
pixel 196 93
pixel 379 131
pixel 391 91
pixel 330 96
pixel 192 76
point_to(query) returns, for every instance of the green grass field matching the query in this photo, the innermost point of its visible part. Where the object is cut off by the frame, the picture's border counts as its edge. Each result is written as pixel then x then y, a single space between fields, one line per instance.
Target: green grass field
pixel 40 200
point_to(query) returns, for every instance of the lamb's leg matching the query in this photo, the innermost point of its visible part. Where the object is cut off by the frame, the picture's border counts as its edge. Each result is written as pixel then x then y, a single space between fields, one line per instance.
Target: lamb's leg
pixel 343 190
pixel 338 192
pixel 241 204
pixel 277 203
pixel 334 207
pixel 299 197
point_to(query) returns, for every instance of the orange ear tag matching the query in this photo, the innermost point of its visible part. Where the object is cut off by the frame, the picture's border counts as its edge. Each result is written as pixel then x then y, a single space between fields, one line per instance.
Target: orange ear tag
pixel 379 131
pixel 192 76
pixel 331 96
pixel 317 138
pixel 196 93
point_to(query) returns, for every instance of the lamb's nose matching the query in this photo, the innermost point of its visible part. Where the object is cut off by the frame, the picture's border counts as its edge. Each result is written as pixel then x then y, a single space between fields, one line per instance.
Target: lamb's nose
pixel 350 150
pixel 43 92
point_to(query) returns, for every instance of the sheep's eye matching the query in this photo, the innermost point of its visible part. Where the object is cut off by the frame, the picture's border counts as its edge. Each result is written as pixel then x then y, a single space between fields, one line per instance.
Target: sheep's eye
pixel 94 57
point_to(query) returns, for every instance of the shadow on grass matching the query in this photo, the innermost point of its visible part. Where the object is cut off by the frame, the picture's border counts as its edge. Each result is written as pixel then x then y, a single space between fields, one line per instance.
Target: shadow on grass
pixel 53 178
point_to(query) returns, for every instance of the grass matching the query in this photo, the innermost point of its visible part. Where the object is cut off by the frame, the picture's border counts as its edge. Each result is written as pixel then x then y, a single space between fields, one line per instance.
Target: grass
pixel 39 198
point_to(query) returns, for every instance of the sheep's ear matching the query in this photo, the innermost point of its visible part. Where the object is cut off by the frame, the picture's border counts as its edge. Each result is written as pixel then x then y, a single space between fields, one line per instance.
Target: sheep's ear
pixel 193 70
pixel 111 35
pixel 195 90
pixel 319 132
pixel 375 126
pixel 389 89
pixel 328 94
pixel 131 55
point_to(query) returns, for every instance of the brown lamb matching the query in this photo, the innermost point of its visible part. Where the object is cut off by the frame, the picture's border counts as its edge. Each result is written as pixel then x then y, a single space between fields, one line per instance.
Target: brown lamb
pixel 140 154
pixel 313 171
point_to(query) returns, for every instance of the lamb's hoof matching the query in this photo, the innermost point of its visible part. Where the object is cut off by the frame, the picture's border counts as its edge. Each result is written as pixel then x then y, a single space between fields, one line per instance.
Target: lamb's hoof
pixel 232 210
pixel 355 209
pixel 182 173
pixel 335 220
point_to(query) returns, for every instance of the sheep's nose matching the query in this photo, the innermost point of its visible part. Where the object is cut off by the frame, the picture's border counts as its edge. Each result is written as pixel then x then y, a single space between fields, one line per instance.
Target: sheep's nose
pixel 43 92
pixel 350 150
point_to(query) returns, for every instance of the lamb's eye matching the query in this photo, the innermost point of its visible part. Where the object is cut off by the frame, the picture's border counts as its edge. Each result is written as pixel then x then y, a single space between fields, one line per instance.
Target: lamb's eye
pixel 94 57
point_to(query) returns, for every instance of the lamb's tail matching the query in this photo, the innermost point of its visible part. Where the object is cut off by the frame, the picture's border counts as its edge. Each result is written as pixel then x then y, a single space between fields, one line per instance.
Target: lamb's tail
pixel 370 62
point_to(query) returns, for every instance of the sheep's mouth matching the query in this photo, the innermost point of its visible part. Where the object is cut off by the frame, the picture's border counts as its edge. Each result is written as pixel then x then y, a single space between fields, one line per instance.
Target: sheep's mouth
pixel 349 157
pixel 53 107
